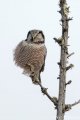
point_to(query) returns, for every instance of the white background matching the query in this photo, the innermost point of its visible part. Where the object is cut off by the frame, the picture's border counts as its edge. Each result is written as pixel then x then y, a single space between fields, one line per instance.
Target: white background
pixel 19 98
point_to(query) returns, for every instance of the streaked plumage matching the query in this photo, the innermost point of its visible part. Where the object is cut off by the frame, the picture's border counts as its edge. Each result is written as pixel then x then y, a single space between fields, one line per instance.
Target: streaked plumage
pixel 30 54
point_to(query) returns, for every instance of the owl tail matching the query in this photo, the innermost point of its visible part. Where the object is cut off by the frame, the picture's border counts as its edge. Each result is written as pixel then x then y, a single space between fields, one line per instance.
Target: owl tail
pixel 36 79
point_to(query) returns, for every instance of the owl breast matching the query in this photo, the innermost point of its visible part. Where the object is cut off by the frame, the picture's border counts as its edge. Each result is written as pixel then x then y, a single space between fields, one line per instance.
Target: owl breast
pixel 30 54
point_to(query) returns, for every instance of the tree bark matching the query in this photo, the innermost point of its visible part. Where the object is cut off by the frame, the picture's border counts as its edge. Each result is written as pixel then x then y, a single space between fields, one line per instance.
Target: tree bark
pixel 63 60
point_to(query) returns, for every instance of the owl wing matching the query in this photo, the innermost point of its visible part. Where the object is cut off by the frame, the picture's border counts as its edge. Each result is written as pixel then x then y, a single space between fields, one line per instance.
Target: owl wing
pixel 42 68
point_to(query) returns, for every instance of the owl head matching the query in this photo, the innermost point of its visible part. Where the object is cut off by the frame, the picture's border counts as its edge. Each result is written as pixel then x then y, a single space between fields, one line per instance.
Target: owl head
pixel 35 36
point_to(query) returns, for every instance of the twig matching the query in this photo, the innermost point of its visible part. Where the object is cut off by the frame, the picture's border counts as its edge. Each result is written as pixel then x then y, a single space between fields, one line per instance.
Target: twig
pixel 60 40
pixel 69 82
pixel 58 77
pixel 68 19
pixel 75 103
pixel 70 55
pixel 69 67
pixel 69 106
pixel 59 63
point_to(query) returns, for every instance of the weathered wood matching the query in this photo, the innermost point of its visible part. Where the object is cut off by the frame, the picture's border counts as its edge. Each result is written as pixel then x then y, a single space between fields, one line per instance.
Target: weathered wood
pixel 64 10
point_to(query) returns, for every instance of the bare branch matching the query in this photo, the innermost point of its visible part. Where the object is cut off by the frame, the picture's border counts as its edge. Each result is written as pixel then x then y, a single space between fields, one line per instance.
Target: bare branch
pixel 69 106
pixel 44 91
pixel 58 77
pixel 68 19
pixel 60 40
pixel 59 63
pixel 69 67
pixel 70 55
pixel 68 45
pixel 59 11
pixel 75 103
pixel 57 40
pixel 69 82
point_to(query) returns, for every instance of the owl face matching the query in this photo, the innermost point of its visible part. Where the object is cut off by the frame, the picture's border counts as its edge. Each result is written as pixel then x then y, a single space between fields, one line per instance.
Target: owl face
pixel 35 36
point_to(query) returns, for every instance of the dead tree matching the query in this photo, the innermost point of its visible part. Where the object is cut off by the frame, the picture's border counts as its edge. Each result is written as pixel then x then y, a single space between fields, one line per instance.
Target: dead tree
pixel 59 102
pixel 63 43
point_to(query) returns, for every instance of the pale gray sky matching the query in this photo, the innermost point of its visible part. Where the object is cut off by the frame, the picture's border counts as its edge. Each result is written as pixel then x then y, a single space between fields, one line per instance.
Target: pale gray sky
pixel 19 98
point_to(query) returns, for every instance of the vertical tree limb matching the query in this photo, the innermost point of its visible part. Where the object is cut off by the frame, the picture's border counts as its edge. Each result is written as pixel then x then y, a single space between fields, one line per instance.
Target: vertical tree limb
pixel 64 10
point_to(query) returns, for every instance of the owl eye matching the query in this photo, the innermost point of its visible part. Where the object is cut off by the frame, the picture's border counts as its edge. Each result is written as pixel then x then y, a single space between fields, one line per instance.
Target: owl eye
pixel 29 37
pixel 42 34
pixel 39 36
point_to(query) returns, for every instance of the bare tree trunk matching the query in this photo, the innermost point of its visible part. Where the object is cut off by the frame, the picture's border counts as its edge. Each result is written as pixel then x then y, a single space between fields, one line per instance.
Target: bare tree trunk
pixel 63 60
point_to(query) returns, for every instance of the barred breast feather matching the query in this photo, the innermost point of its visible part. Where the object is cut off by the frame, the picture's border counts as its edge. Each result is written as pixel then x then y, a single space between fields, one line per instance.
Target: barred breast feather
pixel 29 54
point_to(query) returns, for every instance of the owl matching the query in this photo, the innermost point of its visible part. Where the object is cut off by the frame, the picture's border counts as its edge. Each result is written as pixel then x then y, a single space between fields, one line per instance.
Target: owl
pixel 30 55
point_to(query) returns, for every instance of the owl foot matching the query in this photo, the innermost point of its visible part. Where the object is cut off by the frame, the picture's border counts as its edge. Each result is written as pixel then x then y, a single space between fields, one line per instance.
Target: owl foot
pixel 36 82
pixel 32 74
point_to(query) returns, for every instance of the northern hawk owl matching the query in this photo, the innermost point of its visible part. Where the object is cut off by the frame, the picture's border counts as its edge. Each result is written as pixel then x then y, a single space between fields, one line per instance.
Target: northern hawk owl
pixel 30 54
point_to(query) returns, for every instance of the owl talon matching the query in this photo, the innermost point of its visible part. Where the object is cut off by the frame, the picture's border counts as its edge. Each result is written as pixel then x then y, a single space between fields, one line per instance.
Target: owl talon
pixel 32 74
pixel 35 81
